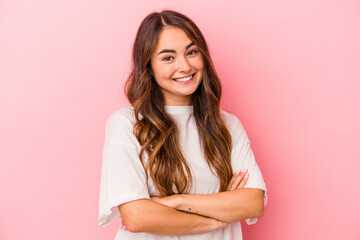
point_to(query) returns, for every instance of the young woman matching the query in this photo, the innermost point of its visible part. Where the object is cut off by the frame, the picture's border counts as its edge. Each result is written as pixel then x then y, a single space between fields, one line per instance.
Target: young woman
pixel 172 160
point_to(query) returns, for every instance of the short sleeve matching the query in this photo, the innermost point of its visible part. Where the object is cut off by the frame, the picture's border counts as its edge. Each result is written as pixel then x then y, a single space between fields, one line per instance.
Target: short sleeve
pixel 242 157
pixel 123 178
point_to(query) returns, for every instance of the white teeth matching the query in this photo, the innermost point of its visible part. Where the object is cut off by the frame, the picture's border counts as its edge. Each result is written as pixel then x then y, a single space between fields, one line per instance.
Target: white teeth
pixel 183 79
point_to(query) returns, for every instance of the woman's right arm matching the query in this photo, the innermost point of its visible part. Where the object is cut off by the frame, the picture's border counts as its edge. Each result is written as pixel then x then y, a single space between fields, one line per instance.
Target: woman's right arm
pixel 144 215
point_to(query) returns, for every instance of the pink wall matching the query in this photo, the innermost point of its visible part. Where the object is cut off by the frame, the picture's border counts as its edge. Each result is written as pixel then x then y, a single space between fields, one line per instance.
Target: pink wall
pixel 290 71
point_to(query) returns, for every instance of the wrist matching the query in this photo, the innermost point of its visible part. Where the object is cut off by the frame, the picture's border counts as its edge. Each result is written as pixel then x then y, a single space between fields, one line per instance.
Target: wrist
pixel 213 223
pixel 178 198
pixel 180 201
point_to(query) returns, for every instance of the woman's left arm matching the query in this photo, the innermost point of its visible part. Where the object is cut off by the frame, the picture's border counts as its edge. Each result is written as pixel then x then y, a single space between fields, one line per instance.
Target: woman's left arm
pixel 228 206
pixel 235 204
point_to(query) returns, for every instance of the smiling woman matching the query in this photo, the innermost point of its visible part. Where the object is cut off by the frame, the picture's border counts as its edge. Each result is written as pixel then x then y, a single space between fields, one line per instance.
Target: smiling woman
pixel 177 71
pixel 170 159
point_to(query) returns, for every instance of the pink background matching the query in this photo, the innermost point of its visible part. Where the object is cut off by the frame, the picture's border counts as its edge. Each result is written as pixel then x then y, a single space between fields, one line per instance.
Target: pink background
pixel 290 72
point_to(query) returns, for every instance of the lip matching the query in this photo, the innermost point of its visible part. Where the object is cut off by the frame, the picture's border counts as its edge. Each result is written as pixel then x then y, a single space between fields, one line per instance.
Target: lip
pixel 186 82
pixel 185 76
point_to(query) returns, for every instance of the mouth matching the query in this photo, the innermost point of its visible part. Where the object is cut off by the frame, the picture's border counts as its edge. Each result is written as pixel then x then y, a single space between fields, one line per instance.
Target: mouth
pixel 184 79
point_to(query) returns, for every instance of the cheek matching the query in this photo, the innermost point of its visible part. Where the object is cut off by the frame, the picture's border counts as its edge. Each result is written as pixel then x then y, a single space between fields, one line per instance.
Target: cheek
pixel 166 71
pixel 198 63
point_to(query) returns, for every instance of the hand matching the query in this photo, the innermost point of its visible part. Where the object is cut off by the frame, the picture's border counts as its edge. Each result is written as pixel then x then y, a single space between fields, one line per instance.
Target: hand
pixel 123 227
pixel 170 201
pixel 219 224
pixel 238 180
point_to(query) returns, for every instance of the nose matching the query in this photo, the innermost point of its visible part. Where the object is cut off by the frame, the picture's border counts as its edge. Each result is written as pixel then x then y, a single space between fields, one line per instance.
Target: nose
pixel 183 65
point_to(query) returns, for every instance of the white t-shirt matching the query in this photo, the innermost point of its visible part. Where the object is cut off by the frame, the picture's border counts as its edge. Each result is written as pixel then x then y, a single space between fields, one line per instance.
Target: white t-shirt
pixel 123 178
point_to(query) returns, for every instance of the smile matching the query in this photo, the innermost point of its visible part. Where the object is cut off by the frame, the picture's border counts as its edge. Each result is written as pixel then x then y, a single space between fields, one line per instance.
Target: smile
pixel 185 79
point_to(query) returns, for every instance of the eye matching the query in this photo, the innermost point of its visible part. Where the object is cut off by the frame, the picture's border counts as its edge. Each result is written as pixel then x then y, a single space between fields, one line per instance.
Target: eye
pixel 192 52
pixel 167 58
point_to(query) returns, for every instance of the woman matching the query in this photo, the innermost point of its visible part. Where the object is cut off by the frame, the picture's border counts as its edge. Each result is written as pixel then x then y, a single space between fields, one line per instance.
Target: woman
pixel 170 159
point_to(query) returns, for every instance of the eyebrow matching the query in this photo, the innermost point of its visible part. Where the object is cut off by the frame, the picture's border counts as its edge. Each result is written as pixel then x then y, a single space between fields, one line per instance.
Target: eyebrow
pixel 173 51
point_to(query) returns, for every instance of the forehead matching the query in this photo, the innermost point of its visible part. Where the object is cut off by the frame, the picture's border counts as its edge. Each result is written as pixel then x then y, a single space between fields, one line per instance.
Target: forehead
pixel 172 38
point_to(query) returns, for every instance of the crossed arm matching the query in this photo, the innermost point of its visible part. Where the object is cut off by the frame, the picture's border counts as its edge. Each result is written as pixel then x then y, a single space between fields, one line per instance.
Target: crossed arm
pixel 229 206
pixel 210 211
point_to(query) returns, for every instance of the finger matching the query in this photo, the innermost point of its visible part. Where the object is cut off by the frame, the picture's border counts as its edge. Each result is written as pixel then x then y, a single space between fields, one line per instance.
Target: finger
pixel 123 227
pixel 239 178
pixel 244 181
pixel 225 224
pixel 236 179
pixel 230 185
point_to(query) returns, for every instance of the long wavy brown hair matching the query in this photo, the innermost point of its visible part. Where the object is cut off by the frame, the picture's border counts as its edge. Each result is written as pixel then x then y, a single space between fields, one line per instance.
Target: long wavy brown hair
pixel 156 130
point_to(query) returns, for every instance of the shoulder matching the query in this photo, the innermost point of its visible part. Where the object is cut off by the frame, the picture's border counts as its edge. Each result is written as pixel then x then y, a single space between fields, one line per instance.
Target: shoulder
pixel 231 121
pixel 123 116
pixel 234 126
pixel 119 124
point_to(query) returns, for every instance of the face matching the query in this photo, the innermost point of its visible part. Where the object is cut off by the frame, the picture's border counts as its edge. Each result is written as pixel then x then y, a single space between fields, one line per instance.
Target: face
pixel 177 66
